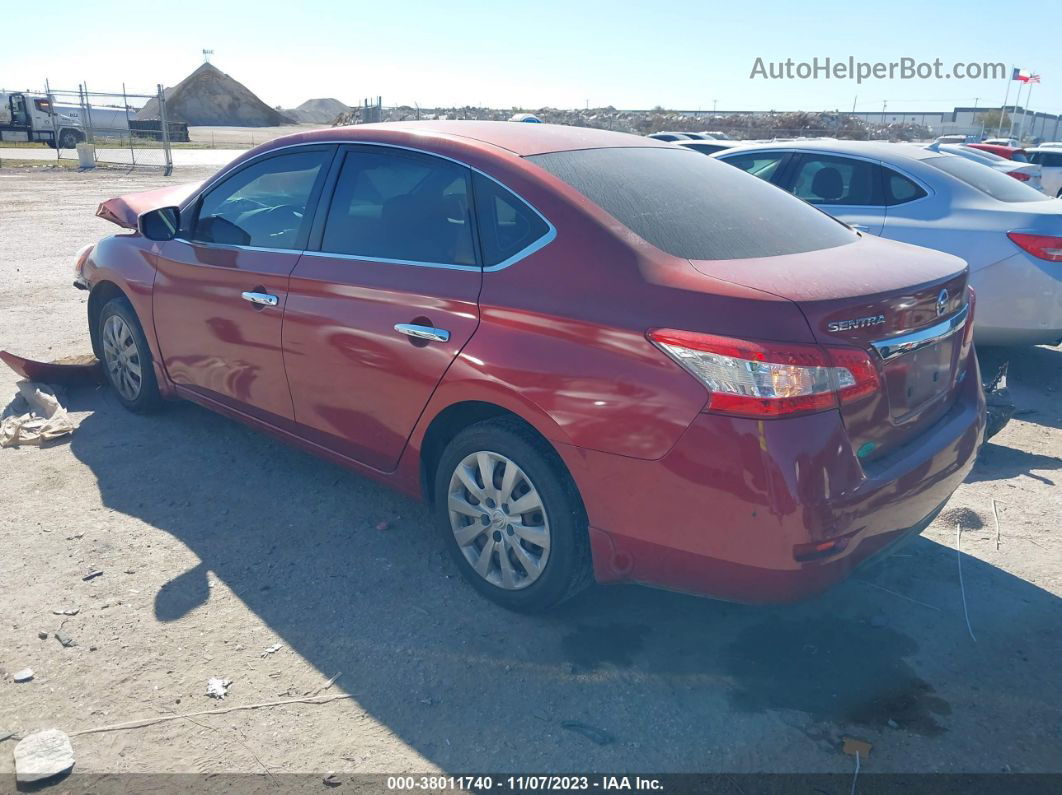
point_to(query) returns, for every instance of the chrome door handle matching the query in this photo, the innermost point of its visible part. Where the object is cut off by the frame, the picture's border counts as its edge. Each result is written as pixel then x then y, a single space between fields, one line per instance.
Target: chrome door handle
pixel 423 332
pixel 261 299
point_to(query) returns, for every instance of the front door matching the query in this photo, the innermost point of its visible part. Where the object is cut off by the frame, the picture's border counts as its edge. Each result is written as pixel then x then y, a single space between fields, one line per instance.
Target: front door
pixel 221 287
pixel 376 314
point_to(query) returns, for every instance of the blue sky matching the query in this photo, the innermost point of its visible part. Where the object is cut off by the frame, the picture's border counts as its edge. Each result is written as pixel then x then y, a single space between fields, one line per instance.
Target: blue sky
pixel 545 52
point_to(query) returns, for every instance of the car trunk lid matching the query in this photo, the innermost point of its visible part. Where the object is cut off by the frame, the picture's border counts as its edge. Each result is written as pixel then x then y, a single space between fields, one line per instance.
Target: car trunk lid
pixel 905 306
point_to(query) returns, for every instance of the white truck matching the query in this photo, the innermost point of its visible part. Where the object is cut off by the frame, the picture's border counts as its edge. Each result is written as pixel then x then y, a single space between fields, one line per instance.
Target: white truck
pixel 25 116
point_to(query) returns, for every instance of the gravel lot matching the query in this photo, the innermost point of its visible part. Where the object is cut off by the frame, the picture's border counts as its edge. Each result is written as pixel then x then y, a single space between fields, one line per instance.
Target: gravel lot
pixel 216 542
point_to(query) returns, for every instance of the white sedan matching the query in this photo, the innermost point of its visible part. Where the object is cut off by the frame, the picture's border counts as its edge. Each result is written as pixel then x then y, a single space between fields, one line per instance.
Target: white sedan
pixel 1010 234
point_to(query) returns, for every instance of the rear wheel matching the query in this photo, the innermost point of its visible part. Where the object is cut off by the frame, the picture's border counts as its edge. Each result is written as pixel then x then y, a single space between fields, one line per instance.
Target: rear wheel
pixel 68 139
pixel 511 516
pixel 127 358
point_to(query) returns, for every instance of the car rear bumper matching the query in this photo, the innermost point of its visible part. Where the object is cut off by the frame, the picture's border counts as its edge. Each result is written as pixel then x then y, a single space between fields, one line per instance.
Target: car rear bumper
pixel 1019 302
pixel 727 511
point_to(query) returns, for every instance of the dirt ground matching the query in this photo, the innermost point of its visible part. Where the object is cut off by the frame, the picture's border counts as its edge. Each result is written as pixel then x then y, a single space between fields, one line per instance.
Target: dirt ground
pixel 215 543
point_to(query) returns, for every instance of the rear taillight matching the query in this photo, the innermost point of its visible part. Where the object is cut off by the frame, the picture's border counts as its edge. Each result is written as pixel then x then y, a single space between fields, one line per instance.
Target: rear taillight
pixel 767 379
pixel 1021 176
pixel 1045 247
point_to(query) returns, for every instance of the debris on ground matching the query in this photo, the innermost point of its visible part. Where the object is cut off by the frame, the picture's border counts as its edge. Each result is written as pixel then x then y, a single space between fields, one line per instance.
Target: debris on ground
pixel 218 688
pixel 67 611
pixel 25 675
pixel 272 649
pixel 331 780
pixel 35 416
pixel 42 635
pixel 853 746
pixel 92 575
pixel 384 525
pixel 592 733
pixel 65 640
pixel 998 401
pixel 43 755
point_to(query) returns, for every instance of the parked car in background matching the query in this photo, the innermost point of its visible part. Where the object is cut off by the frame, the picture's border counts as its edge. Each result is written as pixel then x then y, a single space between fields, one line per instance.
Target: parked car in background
pixel 955 138
pixel 1010 234
pixel 1049 145
pixel 1015 153
pixel 671 136
pixel 594 355
pixel 1049 159
pixel 1012 142
pixel 1023 172
pixel 708 147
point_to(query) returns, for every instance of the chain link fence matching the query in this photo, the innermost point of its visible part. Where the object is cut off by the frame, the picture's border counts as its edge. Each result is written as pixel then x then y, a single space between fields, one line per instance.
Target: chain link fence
pixel 112 128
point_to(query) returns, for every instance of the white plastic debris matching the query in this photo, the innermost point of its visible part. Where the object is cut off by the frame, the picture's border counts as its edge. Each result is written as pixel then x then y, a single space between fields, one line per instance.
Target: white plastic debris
pixel 217 688
pixel 42 755
pixel 35 416
pixel 24 675
pixel 272 649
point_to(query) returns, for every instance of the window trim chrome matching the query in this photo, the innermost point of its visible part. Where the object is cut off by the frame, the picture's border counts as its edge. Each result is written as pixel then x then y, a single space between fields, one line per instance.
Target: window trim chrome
pixel 533 247
pixel 893 347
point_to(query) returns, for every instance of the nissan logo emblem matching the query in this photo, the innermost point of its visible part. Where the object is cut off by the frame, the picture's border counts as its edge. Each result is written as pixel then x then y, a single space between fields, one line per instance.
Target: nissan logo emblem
pixel 942 302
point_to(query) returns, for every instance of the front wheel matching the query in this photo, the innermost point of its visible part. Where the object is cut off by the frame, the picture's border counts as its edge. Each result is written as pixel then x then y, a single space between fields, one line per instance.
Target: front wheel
pixel 512 517
pixel 68 139
pixel 127 358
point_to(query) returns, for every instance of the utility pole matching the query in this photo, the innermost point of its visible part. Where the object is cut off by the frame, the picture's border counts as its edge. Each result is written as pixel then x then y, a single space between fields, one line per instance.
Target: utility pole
pixel 855 102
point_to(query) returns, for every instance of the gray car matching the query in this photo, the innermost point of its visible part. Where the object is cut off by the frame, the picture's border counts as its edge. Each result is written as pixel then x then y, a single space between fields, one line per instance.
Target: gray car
pixel 1010 234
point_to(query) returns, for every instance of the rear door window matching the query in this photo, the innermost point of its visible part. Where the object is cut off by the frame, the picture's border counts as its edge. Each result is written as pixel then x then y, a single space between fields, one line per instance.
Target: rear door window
pixel 507 226
pixel 402 208
pixel 693 206
pixel 841 181
pixel 899 189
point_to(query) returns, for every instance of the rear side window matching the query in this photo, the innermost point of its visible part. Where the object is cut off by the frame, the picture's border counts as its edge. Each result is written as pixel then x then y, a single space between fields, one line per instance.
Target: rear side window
pixel 1048 159
pixel 693 206
pixel 830 180
pixel 1019 157
pixel 986 180
pixel 396 207
pixel 899 189
pixel 263 205
pixel 507 225
pixel 706 149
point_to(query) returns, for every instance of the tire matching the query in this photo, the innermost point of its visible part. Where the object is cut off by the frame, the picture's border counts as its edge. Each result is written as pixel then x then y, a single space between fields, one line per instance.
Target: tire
pixel 125 350
pixel 68 139
pixel 539 576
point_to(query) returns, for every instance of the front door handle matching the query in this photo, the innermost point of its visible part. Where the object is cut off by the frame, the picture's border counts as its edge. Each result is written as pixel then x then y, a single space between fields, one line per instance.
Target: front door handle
pixel 260 299
pixel 423 332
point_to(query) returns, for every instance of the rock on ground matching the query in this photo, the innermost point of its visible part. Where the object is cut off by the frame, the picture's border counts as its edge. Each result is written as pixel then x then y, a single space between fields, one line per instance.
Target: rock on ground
pixel 42 755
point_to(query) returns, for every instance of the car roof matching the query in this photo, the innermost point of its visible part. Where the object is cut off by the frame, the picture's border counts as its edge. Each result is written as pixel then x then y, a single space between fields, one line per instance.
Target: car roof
pixel 518 138
pixel 873 149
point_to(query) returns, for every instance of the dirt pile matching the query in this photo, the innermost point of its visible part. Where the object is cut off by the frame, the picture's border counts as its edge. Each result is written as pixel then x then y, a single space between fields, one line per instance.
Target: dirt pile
pixel 317 111
pixel 642 122
pixel 208 96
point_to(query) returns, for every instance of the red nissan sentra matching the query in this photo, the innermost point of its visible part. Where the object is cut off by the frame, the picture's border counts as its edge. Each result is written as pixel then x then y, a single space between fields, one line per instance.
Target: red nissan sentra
pixel 598 357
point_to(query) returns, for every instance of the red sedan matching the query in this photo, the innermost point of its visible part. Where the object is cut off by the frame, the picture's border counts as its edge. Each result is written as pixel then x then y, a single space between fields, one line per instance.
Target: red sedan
pixel 597 356
pixel 1017 154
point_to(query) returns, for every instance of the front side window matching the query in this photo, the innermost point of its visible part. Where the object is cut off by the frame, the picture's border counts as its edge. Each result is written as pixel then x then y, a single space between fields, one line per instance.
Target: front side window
pixel 263 205
pixel 759 164
pixel 507 225
pixel 826 179
pixel 396 207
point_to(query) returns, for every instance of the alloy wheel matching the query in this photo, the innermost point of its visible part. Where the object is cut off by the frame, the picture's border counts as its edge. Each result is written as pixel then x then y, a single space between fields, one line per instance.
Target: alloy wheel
pixel 498 520
pixel 121 356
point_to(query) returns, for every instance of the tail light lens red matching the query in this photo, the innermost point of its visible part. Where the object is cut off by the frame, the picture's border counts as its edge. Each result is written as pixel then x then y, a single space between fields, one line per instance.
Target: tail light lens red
pixel 1045 247
pixel 1021 176
pixel 767 379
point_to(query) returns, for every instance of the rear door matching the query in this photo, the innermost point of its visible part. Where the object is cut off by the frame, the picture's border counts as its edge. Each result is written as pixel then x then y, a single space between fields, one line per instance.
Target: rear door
pixel 221 286
pixel 383 300
pixel 848 188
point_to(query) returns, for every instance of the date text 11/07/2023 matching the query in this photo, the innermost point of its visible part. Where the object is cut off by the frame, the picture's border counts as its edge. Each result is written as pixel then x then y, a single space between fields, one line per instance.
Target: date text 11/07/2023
pixel 528 783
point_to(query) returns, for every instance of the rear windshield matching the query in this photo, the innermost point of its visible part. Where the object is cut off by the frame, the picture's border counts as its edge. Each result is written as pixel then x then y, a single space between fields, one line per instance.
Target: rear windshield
pixel 694 206
pixel 986 179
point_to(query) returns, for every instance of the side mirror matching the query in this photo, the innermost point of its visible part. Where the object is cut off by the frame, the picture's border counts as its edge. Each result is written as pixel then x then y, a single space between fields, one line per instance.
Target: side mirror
pixel 160 224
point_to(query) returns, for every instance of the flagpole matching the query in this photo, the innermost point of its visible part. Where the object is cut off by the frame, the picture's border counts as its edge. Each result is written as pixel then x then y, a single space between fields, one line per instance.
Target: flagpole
pixel 1003 107
pixel 1025 112
pixel 1017 104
